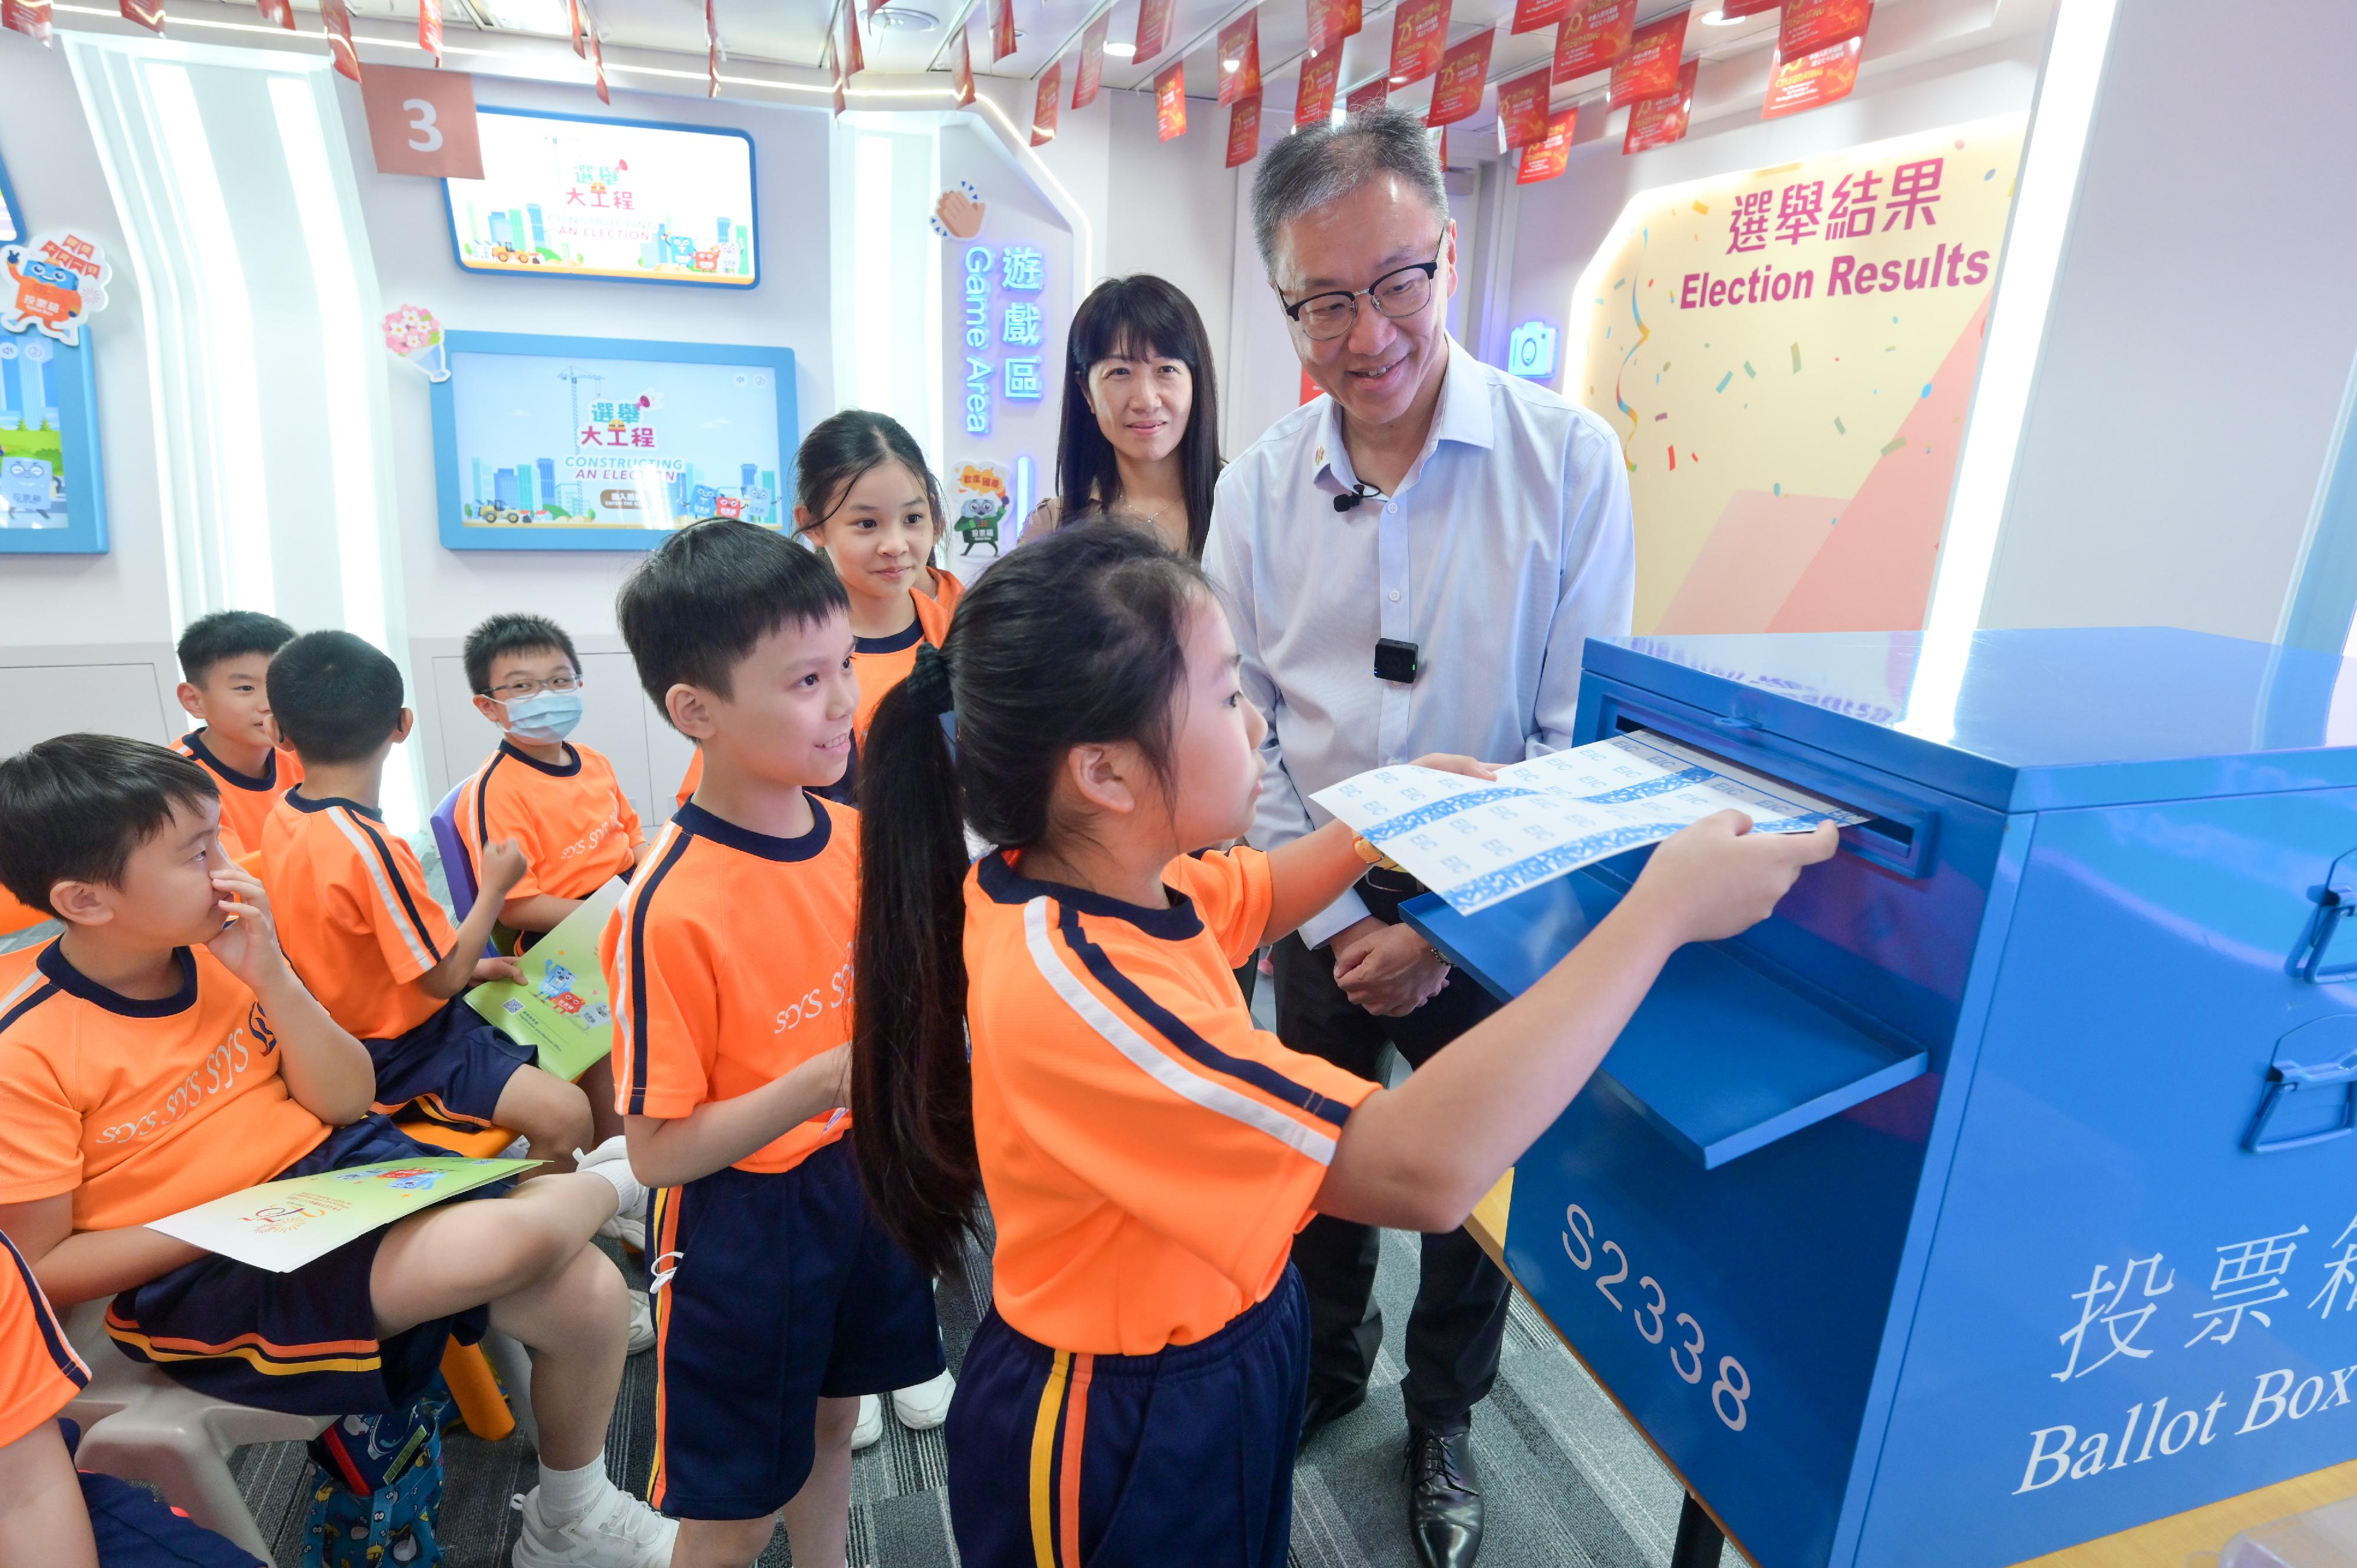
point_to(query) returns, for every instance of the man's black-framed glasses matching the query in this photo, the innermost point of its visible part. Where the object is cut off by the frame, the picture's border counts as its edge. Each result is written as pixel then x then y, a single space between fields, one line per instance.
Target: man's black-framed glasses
pixel 1398 294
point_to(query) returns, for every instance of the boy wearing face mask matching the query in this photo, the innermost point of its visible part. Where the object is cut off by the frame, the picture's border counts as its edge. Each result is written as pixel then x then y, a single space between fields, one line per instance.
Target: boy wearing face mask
pixel 560 803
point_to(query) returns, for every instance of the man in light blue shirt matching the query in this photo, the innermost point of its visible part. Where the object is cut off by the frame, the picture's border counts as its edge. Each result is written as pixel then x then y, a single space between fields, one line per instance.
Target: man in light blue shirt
pixel 1412 563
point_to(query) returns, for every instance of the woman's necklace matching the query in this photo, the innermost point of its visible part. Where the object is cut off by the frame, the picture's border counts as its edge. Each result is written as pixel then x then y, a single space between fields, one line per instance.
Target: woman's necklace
pixel 1148 519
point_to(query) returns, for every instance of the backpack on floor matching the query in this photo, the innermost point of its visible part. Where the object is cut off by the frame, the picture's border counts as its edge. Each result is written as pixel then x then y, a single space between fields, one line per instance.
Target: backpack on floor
pixel 375 1490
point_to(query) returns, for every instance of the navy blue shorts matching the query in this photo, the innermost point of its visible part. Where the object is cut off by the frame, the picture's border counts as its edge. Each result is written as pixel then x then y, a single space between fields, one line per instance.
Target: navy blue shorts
pixel 304 1342
pixel 1131 1461
pixel 450 1069
pixel 782 1291
pixel 135 1530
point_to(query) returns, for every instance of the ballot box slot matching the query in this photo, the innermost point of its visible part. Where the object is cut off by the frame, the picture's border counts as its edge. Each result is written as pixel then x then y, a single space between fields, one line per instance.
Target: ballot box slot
pixel 1729 1052
pixel 1897 833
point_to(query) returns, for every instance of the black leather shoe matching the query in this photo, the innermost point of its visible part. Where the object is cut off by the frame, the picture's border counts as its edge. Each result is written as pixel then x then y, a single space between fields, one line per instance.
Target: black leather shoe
pixel 1444 1498
pixel 1327 1407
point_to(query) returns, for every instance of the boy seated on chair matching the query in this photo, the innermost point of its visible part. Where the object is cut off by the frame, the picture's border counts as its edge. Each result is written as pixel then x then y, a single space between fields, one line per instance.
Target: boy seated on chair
pixel 223 657
pixel 362 930
pixel 162 1053
pixel 559 801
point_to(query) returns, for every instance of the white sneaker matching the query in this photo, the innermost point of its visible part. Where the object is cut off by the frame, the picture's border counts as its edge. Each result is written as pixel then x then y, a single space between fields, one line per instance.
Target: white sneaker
pixel 642 1325
pixel 619 1531
pixel 869 1430
pixel 629 1230
pixel 927 1405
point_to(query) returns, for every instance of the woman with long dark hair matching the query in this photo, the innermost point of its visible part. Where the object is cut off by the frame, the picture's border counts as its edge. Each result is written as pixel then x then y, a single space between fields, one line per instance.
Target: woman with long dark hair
pixel 1140 441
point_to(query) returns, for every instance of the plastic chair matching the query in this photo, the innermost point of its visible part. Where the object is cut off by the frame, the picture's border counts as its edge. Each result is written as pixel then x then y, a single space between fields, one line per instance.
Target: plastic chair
pixel 467 1368
pixel 140 1425
pixel 457 869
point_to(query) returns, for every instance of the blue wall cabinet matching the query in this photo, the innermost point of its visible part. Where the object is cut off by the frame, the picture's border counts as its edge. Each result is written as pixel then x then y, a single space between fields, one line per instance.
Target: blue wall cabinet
pixel 2000 1193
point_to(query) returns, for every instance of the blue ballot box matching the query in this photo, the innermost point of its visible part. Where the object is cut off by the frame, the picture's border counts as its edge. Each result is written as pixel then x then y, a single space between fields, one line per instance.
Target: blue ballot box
pixel 1999 1193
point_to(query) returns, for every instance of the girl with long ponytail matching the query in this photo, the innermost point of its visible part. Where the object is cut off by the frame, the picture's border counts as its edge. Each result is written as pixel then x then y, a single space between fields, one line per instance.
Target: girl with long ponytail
pixel 1134 1395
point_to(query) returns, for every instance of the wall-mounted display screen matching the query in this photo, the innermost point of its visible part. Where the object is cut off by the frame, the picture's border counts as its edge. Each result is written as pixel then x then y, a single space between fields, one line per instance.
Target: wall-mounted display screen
pixel 564 196
pixel 602 444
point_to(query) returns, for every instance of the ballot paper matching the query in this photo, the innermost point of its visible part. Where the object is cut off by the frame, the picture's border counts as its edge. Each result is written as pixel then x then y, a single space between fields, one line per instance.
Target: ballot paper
pixel 561 1010
pixel 283 1225
pixel 1475 842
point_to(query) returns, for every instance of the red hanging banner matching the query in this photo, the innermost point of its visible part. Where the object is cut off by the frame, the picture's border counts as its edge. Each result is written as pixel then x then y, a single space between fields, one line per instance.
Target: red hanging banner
pixel 278 13
pixel 1522 110
pixel 597 64
pixel 1244 132
pixel 1530 15
pixel 1369 94
pixel 336 18
pixel 1657 122
pixel 148 13
pixel 429 28
pixel 1547 157
pixel 1464 73
pixel 962 69
pixel 1812 25
pixel 1595 35
pixel 31 18
pixel 1002 30
pixel 854 60
pixel 1091 74
pixel 1649 68
pixel 835 78
pixel 1331 21
pixel 1419 34
pixel 1239 56
pixel 711 52
pixel 1813 81
pixel 1313 101
pixel 1153 29
pixel 1735 10
pixel 1043 105
pixel 1170 101
pixel 573 15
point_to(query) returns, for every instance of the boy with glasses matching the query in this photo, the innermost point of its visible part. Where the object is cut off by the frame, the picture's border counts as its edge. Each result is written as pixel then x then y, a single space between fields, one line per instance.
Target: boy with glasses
pixel 559 801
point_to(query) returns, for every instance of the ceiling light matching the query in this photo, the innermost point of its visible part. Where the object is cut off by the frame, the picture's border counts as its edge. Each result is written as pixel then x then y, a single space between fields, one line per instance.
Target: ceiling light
pixel 1231 64
pixel 1720 19
pixel 1120 51
pixel 1399 81
pixel 906 17
pixel 529 15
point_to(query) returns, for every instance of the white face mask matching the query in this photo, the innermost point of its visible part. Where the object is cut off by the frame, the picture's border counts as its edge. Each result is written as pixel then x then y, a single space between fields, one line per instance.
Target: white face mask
pixel 544 717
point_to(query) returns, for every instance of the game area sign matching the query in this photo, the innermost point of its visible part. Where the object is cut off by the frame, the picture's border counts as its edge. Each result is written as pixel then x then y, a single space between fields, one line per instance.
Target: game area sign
pixel 1788 355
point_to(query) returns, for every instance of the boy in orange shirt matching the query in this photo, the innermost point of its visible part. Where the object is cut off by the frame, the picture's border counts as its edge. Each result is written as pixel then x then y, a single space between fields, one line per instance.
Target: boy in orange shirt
pixel 223 659
pixel 161 1053
pixel 729 962
pixel 361 927
pixel 559 801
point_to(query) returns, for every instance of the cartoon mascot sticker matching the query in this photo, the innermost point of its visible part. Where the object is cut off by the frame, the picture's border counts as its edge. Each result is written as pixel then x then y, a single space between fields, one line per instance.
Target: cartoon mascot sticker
pixel 53 284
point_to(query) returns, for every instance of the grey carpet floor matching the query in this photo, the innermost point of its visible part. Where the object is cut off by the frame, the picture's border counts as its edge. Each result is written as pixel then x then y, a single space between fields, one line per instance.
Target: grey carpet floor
pixel 1569 1481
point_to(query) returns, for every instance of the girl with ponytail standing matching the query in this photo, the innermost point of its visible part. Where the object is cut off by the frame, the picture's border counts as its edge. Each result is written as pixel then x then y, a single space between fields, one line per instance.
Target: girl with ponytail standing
pixel 1134 1396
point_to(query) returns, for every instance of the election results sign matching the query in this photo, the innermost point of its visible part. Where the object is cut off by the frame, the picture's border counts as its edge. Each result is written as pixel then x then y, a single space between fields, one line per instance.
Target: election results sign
pixel 1788 355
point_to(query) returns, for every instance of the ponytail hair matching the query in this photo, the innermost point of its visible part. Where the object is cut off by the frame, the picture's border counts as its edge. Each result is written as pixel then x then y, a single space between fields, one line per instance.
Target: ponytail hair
pixel 1075 640
pixel 843 446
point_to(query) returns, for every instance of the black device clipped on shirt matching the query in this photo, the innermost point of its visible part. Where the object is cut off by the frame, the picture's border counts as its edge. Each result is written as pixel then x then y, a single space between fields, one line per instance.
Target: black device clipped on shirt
pixel 1359 492
pixel 1395 661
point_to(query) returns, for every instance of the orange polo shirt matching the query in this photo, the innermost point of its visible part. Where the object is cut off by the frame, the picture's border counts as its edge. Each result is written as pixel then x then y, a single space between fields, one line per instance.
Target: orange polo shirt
pixel 1148 1152
pixel 578 830
pixel 729 964
pixel 140 1108
pixel 883 663
pixel 247 799
pixel 943 587
pixel 39 1373
pixel 353 913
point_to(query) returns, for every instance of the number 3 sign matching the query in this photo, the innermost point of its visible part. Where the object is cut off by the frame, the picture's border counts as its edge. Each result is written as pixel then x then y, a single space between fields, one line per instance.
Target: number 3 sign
pixel 422 122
